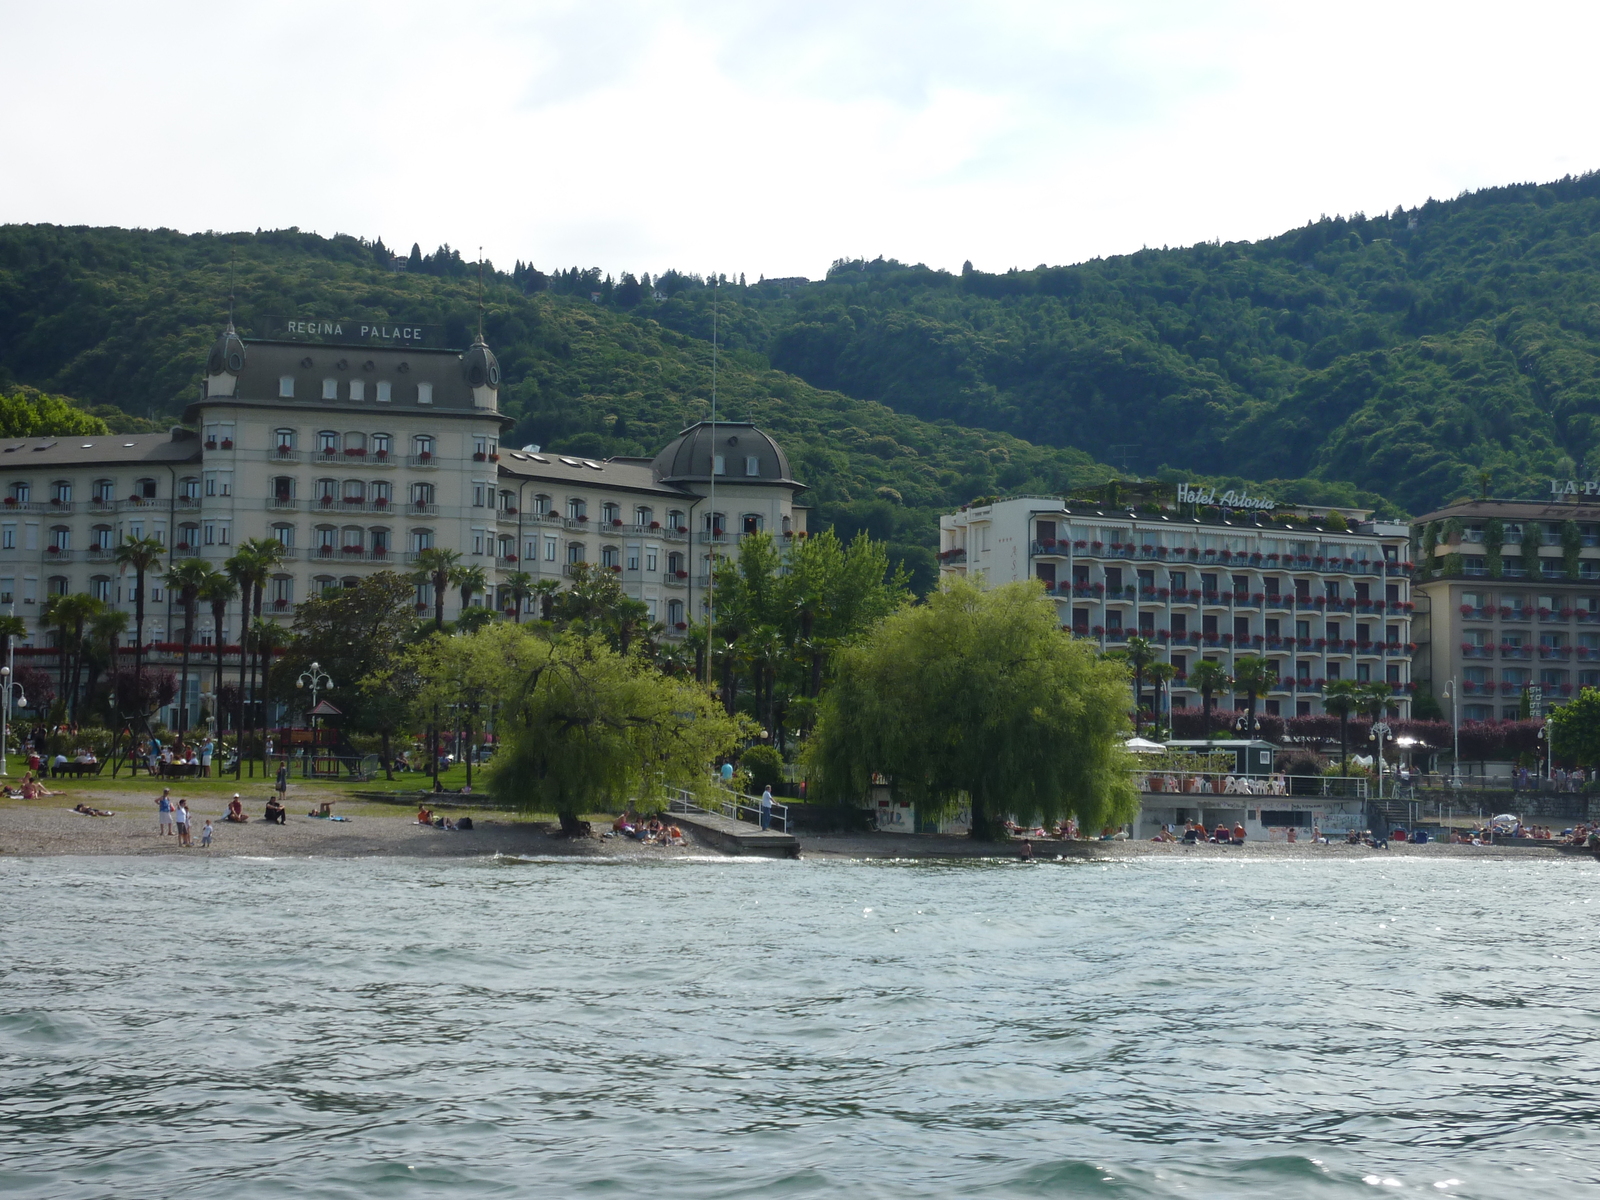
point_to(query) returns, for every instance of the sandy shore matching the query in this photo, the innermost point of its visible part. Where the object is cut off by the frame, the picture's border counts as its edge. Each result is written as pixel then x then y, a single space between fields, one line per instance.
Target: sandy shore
pixel 50 827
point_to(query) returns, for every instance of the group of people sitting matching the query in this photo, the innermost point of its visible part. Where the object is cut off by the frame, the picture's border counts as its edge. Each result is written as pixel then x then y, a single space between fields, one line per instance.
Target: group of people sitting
pixel 653 830
pixel 426 817
pixel 276 814
pixel 1194 834
pixel 29 789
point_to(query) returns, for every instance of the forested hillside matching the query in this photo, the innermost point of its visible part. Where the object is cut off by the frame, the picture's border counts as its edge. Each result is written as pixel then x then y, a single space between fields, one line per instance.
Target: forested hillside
pixel 125 317
pixel 1388 360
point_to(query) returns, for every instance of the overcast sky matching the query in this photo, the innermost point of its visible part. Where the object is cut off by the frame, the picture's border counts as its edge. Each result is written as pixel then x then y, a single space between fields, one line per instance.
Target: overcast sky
pixel 772 138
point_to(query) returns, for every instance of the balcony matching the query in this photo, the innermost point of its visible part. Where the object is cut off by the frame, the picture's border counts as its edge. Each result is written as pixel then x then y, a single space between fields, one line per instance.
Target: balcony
pixel 53 555
pixel 102 554
pixel 1050 549
pixel 281 504
pixel 350 555
pixel 419 508
pixel 352 506
pixel 719 538
pixel 1555 653
pixel 1524 652
pixel 347 459
pixel 421 460
pixel 284 454
pixel 676 579
pixel 508 562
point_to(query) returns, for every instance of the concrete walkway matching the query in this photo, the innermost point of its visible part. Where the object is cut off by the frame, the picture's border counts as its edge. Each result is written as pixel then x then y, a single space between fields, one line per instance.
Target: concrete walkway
pixel 738 837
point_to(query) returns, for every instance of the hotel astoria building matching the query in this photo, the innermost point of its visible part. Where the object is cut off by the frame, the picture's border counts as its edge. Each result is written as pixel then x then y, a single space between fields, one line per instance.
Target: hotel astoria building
pixel 357 457
pixel 1318 604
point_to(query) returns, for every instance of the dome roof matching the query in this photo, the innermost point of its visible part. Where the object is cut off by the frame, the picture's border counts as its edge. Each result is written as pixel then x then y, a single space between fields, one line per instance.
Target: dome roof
pixel 227 354
pixel 479 365
pixel 750 456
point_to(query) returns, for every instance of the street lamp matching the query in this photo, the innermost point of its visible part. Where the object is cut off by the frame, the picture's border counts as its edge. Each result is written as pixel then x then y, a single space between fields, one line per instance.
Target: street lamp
pixel 315 678
pixel 1455 723
pixel 1380 731
pixel 5 711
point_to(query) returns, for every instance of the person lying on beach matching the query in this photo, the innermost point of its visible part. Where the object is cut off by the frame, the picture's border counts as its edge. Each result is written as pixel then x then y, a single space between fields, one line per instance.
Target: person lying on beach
pixel 91 812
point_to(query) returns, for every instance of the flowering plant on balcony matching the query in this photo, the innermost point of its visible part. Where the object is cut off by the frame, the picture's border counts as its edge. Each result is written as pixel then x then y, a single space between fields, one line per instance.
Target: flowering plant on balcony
pixel 1241 597
pixel 327 500
pixel 227 443
pixel 583 516
pixel 1318 683
pixel 1194 552
pixel 131 500
pixel 1543 613
pixel 1210 553
pixel 352 549
pixel 178 546
pixel 354 452
pixel 1320 643
pixel 1257 597
pixel 1162 593
pixel 1226 555
pixel 680 574
pixel 380 552
pixel 380 502
pixel 1467 610
pixel 494 458
pixel 480 457
pixel 1149 549
pixel 421 607
pixel 1081 545
pixel 211 443
pixel 325 551
pixel 1566 614
pixel 1095 545
pixel 1098 588
pixel 1048 543
pixel 425 456
pixel 511 558
pixel 381 455
pixel 1097 630
pixel 655 524
pixel 53 549
pixel 616 568
pixel 681 625
pixel 616 522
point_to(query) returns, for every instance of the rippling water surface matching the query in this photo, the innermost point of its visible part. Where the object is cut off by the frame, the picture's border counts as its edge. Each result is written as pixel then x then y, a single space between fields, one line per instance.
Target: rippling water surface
pixel 1228 1028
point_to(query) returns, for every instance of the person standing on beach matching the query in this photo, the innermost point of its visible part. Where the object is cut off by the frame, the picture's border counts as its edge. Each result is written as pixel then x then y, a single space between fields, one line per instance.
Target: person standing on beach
pixel 164 809
pixel 182 816
pixel 207 748
pixel 205 835
pixel 282 783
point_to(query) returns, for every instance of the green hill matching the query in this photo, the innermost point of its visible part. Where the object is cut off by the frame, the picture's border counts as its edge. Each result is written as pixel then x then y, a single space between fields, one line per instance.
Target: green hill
pixel 124 318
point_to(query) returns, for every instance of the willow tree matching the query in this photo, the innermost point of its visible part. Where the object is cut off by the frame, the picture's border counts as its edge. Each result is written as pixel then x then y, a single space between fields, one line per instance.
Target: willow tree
pixel 978 698
pixel 586 729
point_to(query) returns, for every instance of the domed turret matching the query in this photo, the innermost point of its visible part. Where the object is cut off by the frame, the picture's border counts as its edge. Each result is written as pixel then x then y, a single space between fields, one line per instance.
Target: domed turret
pixel 227 354
pixel 749 455
pixel 480 366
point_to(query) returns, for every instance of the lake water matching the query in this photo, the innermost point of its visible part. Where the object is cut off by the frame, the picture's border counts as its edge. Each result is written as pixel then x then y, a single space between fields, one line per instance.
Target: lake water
pixel 731 1028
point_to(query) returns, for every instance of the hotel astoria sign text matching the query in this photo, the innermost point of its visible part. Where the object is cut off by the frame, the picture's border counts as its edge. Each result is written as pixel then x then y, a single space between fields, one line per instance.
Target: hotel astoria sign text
pixel 1189 494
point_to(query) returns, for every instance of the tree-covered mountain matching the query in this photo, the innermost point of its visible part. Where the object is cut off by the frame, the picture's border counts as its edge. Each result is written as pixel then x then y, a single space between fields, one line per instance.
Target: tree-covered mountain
pixel 124 318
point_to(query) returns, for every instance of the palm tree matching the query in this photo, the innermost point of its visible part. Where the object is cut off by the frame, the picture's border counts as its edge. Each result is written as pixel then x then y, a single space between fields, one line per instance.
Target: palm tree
pixel 143 555
pixel 1139 654
pixel 187 578
pixel 437 567
pixel 1254 675
pixel 519 586
pixel 69 614
pixel 218 591
pixel 105 632
pixel 1210 678
pixel 250 567
pixel 1342 697
pixel 546 590
pixel 473 581
pixel 1161 674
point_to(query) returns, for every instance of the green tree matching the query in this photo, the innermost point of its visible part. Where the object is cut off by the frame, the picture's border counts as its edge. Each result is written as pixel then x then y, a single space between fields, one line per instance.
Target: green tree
pixel 1571 547
pixel 1140 656
pixel 437 568
pixel 473 581
pixel 584 728
pixel 1342 697
pixel 187 578
pixel 1253 675
pixel 1162 674
pixel 1574 729
pixel 218 590
pixel 104 632
pixel 518 586
pixel 141 555
pixel 978 696
pixel 250 567
pixel 1210 678
pixel 69 614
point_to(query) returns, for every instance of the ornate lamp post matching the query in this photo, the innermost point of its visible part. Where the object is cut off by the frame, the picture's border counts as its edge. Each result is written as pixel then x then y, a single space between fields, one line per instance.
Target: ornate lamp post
pixel 5 712
pixel 315 678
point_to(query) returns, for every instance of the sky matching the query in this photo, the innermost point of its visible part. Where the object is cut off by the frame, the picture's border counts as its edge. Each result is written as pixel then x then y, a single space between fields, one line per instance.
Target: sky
pixel 773 138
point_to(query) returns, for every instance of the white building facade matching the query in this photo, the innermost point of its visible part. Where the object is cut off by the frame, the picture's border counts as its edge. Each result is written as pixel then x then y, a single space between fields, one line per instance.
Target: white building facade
pixel 1318 604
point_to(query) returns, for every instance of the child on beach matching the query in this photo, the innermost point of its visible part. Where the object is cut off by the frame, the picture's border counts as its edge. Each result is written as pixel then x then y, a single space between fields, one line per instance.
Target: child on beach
pixel 205 835
pixel 164 811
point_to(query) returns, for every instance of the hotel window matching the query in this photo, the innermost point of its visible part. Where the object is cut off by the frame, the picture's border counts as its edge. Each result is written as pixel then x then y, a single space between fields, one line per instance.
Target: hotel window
pixel 577 509
pixel 211 483
pixel 327 491
pixel 642 516
pixel 550 549
pixel 20 492
pixel 422 445
pixel 60 538
pixel 424 393
pixel 283 489
pixel 355 492
pixel 716 524
pixel 327 540
pixel 284 439
pixel 651 557
pixel 575 552
pixel 507 501
pixel 105 490
pixel 330 389
pixel 327 441
pixel 286 387
pixel 218 533
pixel 650 610
pixel 424 595
pixel 381 493
pixel 541 506
pixel 610 513
pixel 325 585
pixel 353 537
pixel 477 541
pixel 609 557
pixel 674 612
pixel 356 442
pixel 56 585
pixel 750 523
pixel 103 537
pixel 188 537
pixel 61 492
pixel 30 589
pixel 480 448
pixel 380 540
pixel 675 520
pixel 189 488
pixel 752 465
pixel 284 535
pixel 381 445
pixel 720 465
pixel 100 588
pixel 480 495
pixel 30 535
pixel 421 493
pixel 358 389
pixel 384 390
pixel 633 558
pixel 421 539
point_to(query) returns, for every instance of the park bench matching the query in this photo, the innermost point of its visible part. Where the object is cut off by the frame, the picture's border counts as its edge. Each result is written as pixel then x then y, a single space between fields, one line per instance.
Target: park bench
pixel 76 769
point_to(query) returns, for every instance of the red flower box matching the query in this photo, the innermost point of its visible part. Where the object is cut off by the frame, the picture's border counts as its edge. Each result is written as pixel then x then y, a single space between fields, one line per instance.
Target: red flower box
pixel 380 502
pixel 53 549
pixel 280 604
pixel 425 456
pixel 583 517
pixel 212 444
pixel 325 551
pixel 181 546
pixel 494 458
pixel 227 443
pixel 381 455
pixel 511 558
pixel 326 501
pixel 617 569
pixel 681 625
pixel 616 522
pixel 480 457
pixel 351 452
pixel 352 549
pixel 379 552
pixel 655 524
pixel 681 574
pixel 685 529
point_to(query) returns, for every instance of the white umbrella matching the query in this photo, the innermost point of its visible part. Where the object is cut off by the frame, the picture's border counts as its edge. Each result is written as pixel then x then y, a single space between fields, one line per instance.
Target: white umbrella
pixel 1504 819
pixel 1141 745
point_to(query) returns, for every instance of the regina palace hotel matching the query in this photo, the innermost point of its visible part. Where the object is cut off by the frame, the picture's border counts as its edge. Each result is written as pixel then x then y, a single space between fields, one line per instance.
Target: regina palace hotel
pixel 356 450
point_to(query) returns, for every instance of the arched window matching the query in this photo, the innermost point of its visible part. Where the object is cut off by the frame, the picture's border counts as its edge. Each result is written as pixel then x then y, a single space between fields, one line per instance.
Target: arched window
pixel 325 585
pixel 100 588
pixel 327 441
pixel 421 539
pixel 643 515
pixel 61 492
pixel 353 539
pixel 327 538
pixel 577 508
pixel 56 585
pixel 284 535
pixel 541 505
pixel 282 591
pixel 382 444
pixel 355 445
pixel 105 491
pixel 508 502
pixel 283 439
pixel 716 524
pixel 675 613
pixel 60 538
pixel 380 493
pixel 610 513
pixel 610 557
pixel 422 447
pixel 327 492
pixel 188 537
pixel 751 523
pixel 103 539
pixel 20 493
pixel 283 489
pixel 379 540
pixel 675 565
pixel 575 552
pixel 421 494
pixel 189 488
pixel 355 491
pixel 675 521
pixel 788 526
pixel 145 489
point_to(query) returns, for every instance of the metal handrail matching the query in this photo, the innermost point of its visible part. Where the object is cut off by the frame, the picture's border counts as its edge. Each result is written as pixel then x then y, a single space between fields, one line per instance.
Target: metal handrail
pixel 728 804
pixel 1215 783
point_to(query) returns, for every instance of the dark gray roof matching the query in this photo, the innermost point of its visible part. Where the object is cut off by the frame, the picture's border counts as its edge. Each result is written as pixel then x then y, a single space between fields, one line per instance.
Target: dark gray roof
pixel 567 470
pixel 110 450
pixel 687 458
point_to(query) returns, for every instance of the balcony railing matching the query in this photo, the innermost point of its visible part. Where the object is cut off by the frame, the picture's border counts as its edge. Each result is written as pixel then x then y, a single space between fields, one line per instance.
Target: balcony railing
pixel 284 455
pixel 345 458
pixel 54 555
pixel 353 506
pixel 281 504
pixel 346 554
pixel 102 506
pixel 418 508
pixel 676 579
pixel 422 460
pixel 101 554
pixel 1516 651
